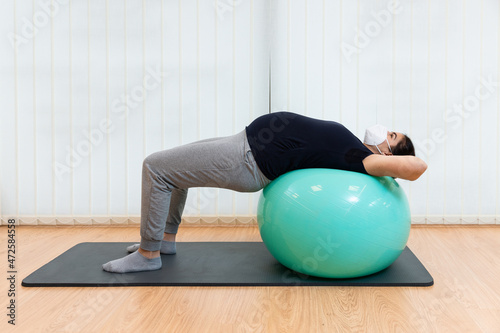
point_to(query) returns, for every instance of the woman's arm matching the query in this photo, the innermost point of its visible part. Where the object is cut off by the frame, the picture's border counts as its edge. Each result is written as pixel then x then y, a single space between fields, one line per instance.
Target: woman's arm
pixel 405 167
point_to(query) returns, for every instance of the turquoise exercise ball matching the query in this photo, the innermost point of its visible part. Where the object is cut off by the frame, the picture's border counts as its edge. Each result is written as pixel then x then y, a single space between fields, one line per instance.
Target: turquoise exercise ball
pixel 334 223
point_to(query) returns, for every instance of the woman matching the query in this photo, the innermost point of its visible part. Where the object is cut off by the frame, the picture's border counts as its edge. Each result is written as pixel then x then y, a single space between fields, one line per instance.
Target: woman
pixel 270 146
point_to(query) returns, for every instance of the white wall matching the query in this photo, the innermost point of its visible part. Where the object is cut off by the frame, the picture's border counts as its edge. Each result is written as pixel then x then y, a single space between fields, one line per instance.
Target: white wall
pixel 420 71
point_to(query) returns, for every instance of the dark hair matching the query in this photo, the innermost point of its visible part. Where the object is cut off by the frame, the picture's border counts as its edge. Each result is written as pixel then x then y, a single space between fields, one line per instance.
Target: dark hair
pixel 404 147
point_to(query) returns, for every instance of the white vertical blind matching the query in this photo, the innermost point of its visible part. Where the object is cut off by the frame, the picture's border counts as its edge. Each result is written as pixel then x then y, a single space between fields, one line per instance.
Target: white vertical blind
pixel 89 88
pixel 426 68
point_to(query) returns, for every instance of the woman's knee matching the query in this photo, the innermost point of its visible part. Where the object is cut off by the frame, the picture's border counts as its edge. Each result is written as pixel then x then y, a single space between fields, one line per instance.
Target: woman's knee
pixel 156 166
pixel 153 162
pixel 150 165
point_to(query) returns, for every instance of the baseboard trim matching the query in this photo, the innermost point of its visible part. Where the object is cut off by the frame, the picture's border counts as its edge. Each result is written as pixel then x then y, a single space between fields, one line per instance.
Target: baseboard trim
pixel 224 221
pixel 119 221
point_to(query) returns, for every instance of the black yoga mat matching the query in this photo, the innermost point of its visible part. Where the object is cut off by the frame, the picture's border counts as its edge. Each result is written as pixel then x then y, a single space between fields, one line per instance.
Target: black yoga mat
pixel 207 264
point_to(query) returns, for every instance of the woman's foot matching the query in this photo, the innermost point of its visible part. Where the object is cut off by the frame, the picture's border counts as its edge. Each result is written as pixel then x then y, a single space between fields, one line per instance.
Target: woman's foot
pixel 134 262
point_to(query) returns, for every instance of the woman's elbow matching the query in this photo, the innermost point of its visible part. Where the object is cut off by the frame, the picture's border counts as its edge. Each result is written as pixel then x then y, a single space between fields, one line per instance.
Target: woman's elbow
pixel 420 168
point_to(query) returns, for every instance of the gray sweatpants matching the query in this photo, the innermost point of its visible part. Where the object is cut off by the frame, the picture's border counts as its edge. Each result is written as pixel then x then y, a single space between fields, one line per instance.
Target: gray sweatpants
pixel 225 162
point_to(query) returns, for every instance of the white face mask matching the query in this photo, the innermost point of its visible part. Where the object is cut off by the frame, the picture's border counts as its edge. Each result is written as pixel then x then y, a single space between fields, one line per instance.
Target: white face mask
pixel 375 135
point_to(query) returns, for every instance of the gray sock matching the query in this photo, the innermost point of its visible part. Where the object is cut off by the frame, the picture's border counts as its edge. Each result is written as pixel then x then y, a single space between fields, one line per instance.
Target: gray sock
pixel 166 247
pixel 134 262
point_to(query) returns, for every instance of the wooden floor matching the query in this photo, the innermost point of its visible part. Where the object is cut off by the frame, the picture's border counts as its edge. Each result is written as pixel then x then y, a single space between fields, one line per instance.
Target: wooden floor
pixel 464 261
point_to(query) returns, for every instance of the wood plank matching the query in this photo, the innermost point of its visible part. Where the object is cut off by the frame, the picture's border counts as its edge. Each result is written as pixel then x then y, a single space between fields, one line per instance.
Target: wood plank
pixel 462 260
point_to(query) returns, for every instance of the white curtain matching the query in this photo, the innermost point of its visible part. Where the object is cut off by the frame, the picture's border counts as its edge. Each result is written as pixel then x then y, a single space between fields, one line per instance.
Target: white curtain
pixel 429 69
pixel 89 88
